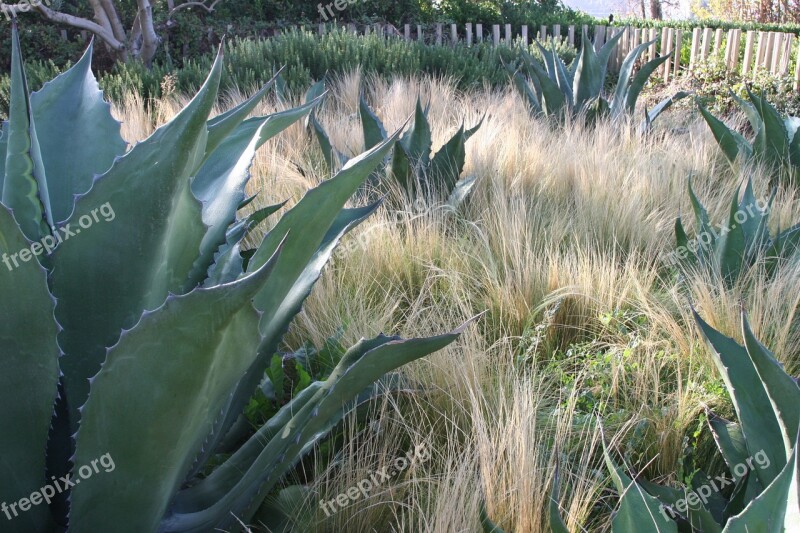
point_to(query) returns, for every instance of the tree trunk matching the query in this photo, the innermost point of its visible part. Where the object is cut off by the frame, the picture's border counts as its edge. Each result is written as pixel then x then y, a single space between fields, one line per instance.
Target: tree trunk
pixel 655 10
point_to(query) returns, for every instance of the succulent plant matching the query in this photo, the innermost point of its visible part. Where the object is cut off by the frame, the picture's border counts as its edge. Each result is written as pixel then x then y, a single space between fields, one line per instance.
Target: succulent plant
pixel 775 142
pixel 556 90
pixel 760 451
pixel 418 170
pixel 730 248
pixel 136 340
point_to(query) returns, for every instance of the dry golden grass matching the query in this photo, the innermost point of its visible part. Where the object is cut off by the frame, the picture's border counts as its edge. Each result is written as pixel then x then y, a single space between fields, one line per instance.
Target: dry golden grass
pixel 561 242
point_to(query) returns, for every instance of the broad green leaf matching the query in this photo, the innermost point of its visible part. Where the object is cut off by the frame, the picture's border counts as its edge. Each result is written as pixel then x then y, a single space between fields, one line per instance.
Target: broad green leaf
pixel 221 181
pixel 731 142
pixel 374 132
pixel 557 524
pixel 731 247
pixel 487 523
pixel 221 126
pixel 72 161
pixel 418 140
pixel 730 441
pixel 333 159
pixel 639 81
pixel 25 184
pixel 638 510
pixel 28 376
pixel 3 151
pixel 772 141
pixel 620 103
pixel 777 509
pixel 750 112
pixel 361 365
pixel 759 425
pixel 553 100
pixel 663 105
pixel 525 90
pixel 218 345
pixel 781 387
pixel 447 165
pixel 104 283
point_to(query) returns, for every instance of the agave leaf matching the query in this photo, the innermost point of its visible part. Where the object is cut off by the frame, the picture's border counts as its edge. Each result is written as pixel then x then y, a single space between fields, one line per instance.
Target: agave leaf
pixel 683 243
pixel 333 159
pixel 557 524
pixel 772 141
pixel 28 376
pixel 553 100
pixel 621 104
pixel 219 345
pixel 418 141
pixel 72 161
pixel 148 191
pixel 361 365
pixel 756 226
pixel 224 124
pixel 461 191
pixel 784 394
pixel 777 509
pixel 374 132
pixel 760 427
pixel 638 510
pixel 486 523
pixel 739 498
pixel 749 110
pixel 3 152
pixel 314 92
pixel 731 142
pixel 703 223
pixel 220 183
pixel 639 81
pixel 730 441
pixel 529 94
pixel 731 247
pixel 287 511
pixel 448 164
pixel 25 184
pixel 403 169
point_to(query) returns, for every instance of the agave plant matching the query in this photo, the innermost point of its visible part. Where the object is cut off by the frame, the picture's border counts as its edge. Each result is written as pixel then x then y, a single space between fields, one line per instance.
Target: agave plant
pixel 775 142
pixel 557 90
pixel 731 248
pixel 760 451
pixel 418 170
pixel 134 341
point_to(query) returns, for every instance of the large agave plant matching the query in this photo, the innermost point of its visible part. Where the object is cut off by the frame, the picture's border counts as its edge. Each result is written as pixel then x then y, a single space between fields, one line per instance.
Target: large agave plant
pixel 775 143
pixel 556 90
pixel 760 451
pixel 734 246
pixel 413 164
pixel 135 340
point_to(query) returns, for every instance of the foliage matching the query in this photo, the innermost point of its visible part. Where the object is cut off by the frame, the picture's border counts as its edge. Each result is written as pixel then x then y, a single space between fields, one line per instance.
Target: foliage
pixel 760 450
pixel 731 248
pixel 309 57
pixel 775 143
pixel 707 23
pixel 141 337
pixel 556 90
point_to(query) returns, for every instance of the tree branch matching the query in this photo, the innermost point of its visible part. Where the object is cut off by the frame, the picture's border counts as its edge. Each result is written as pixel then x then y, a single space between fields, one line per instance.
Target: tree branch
pixel 209 9
pixel 70 20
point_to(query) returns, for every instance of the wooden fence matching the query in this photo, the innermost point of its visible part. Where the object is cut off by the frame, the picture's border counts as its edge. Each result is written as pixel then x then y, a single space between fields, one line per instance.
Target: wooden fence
pixel 744 53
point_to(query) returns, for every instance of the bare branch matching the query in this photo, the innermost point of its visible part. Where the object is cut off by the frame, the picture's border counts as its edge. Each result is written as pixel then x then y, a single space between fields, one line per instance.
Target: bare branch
pixel 70 20
pixel 209 9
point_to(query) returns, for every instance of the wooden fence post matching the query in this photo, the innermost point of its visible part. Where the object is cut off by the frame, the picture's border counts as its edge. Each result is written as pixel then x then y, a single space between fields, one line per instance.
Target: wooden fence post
pixel 667 48
pixel 556 30
pixel 407 32
pixel 652 37
pixel 693 55
pixel 453 34
pixel 770 44
pixel 599 37
pixel 525 34
pixel 797 72
pixel 706 48
pixel 787 55
pixel 777 47
pixel 717 42
pixel 748 52
pixel 585 30
pixel 479 32
pixel 664 49
pixel 469 34
pixel 543 33
pixel 496 34
pixel 439 34
pixel 508 34
pixel 420 33
pixel 571 34
pixel 676 56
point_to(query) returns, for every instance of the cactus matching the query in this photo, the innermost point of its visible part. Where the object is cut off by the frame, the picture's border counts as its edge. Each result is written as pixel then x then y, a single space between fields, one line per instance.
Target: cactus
pixel 760 451
pixel 140 337
pixel 736 245
pixel 775 144
pixel 417 170
pixel 556 90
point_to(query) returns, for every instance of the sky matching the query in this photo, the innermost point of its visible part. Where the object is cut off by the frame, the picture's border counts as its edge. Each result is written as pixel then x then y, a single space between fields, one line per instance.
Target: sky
pixel 603 8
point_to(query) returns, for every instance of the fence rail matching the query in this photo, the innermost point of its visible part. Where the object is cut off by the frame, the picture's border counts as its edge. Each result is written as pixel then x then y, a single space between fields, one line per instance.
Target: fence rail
pixel 746 54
